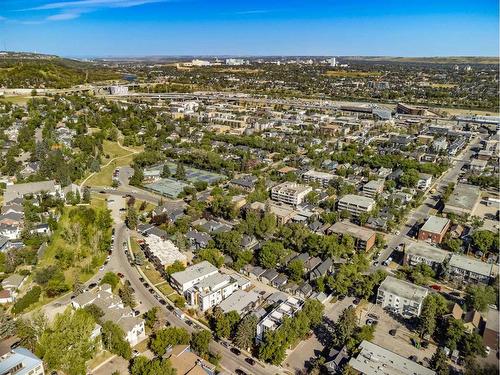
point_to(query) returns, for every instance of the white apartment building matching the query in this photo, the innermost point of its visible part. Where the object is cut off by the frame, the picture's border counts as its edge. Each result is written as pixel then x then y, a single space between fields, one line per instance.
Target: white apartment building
pixel 211 291
pixel 274 319
pixel 321 178
pixel 424 181
pixel 401 296
pixel 421 252
pixel 20 361
pixel 290 193
pixel 356 204
pixel 184 280
pixel 372 188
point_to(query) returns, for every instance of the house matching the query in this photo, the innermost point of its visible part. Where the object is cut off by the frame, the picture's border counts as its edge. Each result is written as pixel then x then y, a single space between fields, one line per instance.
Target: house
pixel 424 181
pixel 466 269
pixel 279 281
pixel 364 238
pixel 478 165
pixel 268 276
pixel 246 183
pixel 434 229
pixel 372 359
pixel 322 270
pixel 290 193
pixel 198 240
pixel 355 204
pixel 401 296
pixel 172 211
pixel 339 359
pixel 184 280
pixel 14 282
pixel 420 252
pixel 114 311
pixel 185 362
pixel 472 321
pixel 305 290
pixel 20 361
pixel 311 264
pixel 240 301
pixel 10 231
pixel 7 296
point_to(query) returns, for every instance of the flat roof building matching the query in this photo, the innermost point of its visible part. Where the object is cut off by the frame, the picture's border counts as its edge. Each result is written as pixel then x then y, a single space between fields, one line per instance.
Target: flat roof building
pixel 290 193
pixel 469 269
pixel 421 252
pixel 240 301
pixel 356 204
pixel 20 361
pixel 162 252
pixel 364 239
pixel 184 280
pixel 372 188
pixel 401 296
pixel 434 229
pixel 372 359
pixel 273 319
pixel 321 178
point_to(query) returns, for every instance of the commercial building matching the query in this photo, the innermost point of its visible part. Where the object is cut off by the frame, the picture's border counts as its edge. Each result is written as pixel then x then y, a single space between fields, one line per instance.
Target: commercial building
pixel 421 253
pixel 20 361
pixel 118 90
pixel 434 229
pixel 321 178
pixel 192 275
pixel 372 359
pixel 211 291
pixel 372 188
pixel 401 296
pixel 463 200
pixel 290 193
pixel 240 301
pixel 464 268
pixel 364 239
pixel 273 320
pixel 355 204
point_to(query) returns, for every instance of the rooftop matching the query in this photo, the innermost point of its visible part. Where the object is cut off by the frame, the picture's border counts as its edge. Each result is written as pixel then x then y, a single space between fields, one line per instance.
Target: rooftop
pixel 403 289
pixel 464 197
pixel 376 360
pixel 357 200
pixel 238 301
pixel 19 357
pixel 435 224
pixel 424 250
pixel 470 264
pixel 202 269
pixel 343 227
pixel 164 250
pixel 19 190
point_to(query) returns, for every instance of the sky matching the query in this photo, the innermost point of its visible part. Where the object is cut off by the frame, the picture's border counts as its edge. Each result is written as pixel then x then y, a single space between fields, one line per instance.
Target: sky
pixel 88 28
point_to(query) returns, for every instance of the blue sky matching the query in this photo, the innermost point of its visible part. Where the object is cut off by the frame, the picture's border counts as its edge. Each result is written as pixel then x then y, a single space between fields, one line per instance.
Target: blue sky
pixel 252 27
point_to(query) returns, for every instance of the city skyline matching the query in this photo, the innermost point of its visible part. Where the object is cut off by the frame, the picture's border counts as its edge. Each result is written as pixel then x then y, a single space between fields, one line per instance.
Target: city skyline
pixel 162 27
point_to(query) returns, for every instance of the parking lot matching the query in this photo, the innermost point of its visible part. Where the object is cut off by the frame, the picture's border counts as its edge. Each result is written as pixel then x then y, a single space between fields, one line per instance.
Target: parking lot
pixel 488 213
pixel 401 342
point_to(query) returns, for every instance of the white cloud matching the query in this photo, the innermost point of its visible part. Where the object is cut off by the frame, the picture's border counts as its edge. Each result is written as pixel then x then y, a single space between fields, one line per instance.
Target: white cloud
pixel 94 4
pixel 63 16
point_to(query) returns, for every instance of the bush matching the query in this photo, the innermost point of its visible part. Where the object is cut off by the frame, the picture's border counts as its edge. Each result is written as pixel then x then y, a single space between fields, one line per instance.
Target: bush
pixel 27 300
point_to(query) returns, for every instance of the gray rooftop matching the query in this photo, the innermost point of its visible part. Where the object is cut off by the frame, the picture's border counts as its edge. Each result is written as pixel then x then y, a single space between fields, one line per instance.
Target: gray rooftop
pixel 435 224
pixel 470 264
pixel 403 289
pixel 464 198
pixel 344 227
pixel 357 200
pixel 238 301
pixel 426 251
pixel 19 190
pixel 202 269
pixel 376 360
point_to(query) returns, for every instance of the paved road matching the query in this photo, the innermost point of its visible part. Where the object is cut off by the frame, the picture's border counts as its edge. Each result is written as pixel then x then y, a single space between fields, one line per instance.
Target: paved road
pixel 422 211
pixel 119 263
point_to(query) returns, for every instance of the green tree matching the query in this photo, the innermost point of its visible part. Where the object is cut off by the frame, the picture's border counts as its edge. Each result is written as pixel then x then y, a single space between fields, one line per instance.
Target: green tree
pixel 213 256
pixel 132 219
pixel 165 172
pixel 345 327
pixel 484 239
pixel 67 345
pixel 478 297
pixel 167 337
pixel 180 172
pixel 95 311
pixel 127 295
pixel 143 366
pixel 113 339
pixel 472 345
pixel 200 341
pixel 296 270
pixel 271 253
pixel 409 178
pixel 245 332
pixel 434 305
pixel 439 362
pixel 177 266
pixel 110 278
pixel 151 317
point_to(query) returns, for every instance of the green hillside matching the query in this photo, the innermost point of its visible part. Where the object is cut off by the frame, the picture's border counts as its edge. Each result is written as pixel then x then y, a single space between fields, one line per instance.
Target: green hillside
pixel 37 71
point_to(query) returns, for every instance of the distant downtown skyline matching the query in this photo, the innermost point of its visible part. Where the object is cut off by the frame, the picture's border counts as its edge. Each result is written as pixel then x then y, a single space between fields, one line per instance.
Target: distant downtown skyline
pixel 281 27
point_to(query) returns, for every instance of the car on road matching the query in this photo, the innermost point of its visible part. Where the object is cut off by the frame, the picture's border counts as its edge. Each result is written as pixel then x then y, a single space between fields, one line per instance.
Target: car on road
pixel 371 322
pixel 236 351
pixel 101 268
pixel 162 301
pixel 341 297
pixel 169 308
pixel 487 350
pixel 373 316
pixel 250 361
pixel 137 313
pixel 376 263
pixel 393 332
pixel 151 290
pixel 141 279
pixel 240 372
pixel 356 301
pixel 123 209
pixel 92 285
pixel 436 287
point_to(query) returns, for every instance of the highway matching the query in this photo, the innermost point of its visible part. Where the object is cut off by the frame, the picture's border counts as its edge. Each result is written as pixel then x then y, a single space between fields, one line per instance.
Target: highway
pixel 422 212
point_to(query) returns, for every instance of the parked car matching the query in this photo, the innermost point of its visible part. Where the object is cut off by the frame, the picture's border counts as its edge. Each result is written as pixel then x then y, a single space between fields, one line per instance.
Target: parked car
pixel 120 275
pixel 162 301
pixel 393 332
pixel 373 316
pixel 371 322
pixel 235 351
pixel 92 285
pixel 436 287
pixel 250 361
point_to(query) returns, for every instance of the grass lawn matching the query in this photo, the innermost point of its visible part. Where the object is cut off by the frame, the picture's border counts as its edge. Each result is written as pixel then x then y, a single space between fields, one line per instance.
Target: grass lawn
pixel 142 346
pixel 165 288
pixel 134 245
pixel 104 176
pixel 99 358
pixel 149 206
pixel 18 99
pixel 152 274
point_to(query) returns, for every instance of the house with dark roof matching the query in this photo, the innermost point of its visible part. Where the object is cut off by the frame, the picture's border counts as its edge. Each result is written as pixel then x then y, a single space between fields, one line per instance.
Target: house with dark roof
pixel 198 240
pixel 268 276
pixel 322 270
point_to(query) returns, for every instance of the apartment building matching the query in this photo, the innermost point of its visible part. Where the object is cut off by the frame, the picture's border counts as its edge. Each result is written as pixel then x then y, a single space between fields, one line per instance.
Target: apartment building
pixel 364 239
pixel 434 229
pixel 211 291
pixel 372 188
pixel 468 269
pixel 423 253
pixel 424 181
pixel 273 320
pixel 20 361
pixel 290 193
pixel 401 296
pixel 321 178
pixel 192 275
pixel 355 204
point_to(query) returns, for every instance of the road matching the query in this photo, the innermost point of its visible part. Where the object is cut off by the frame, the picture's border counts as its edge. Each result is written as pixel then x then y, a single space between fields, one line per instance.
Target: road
pixel 422 212
pixel 119 263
